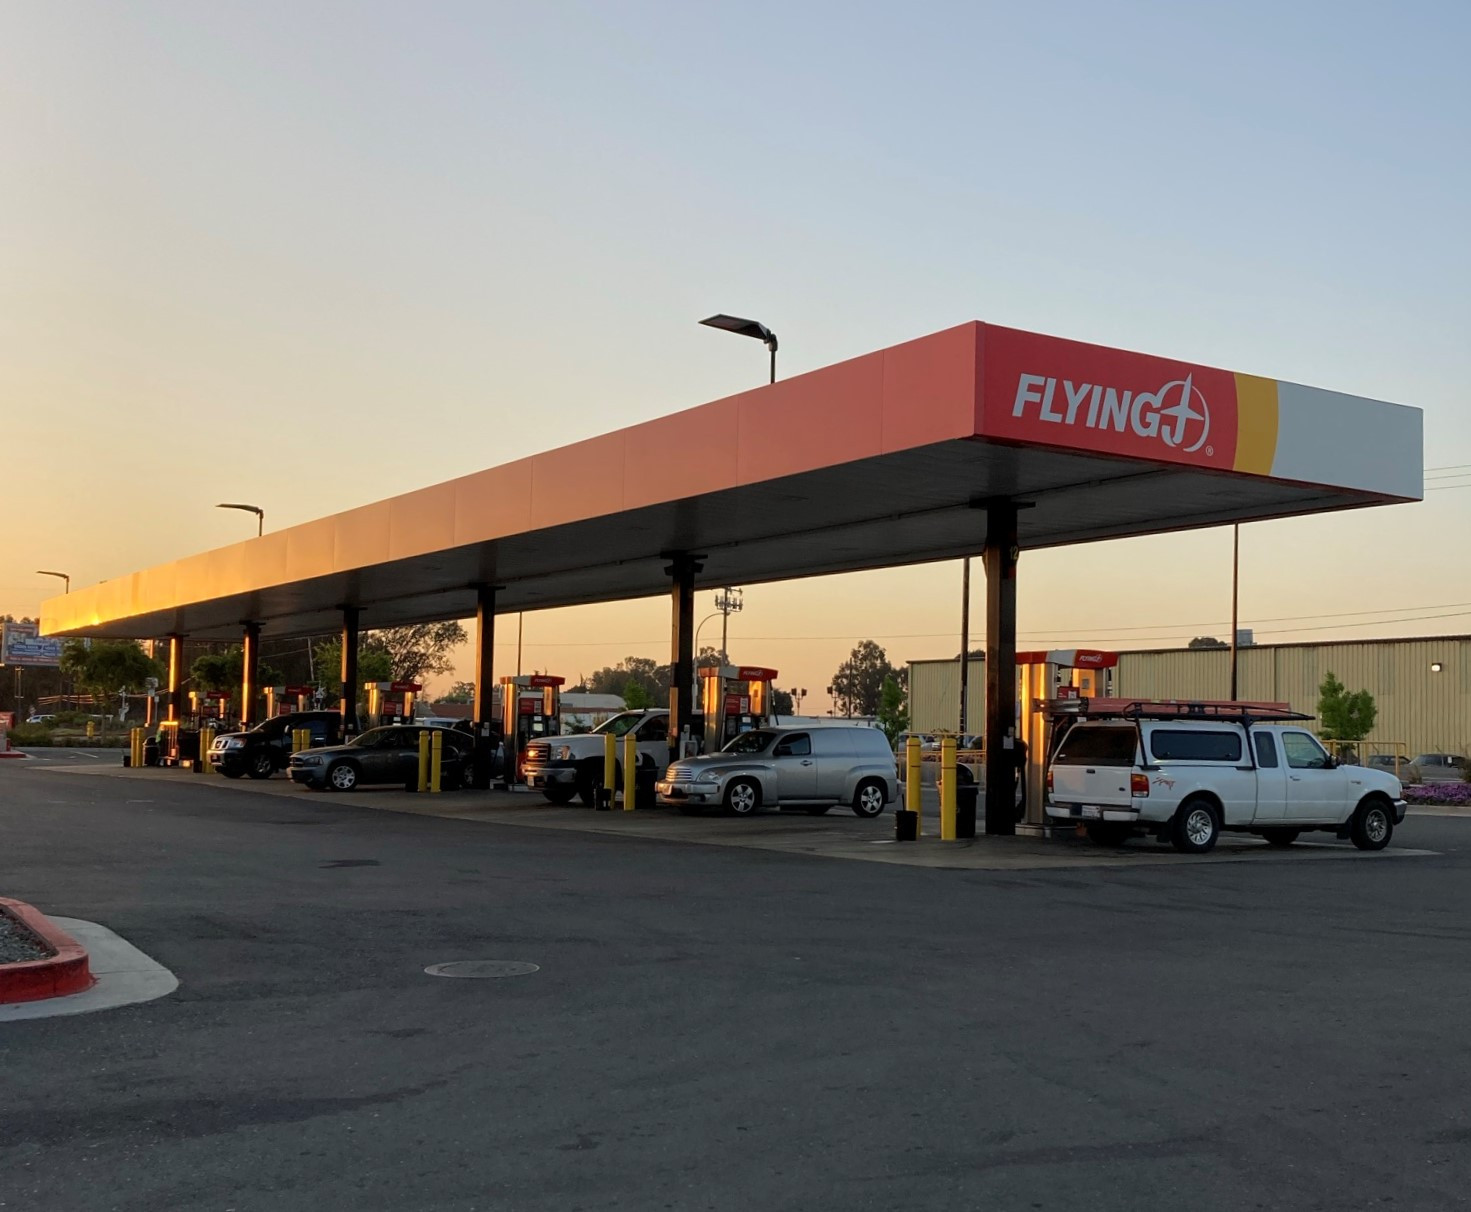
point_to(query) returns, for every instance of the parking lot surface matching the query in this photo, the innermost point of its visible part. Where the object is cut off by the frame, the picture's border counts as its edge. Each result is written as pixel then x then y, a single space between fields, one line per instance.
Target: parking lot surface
pixel 720 1026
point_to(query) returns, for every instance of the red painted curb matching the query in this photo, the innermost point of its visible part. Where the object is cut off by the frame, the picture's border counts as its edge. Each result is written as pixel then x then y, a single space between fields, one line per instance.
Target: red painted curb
pixel 57 975
pixel 13 753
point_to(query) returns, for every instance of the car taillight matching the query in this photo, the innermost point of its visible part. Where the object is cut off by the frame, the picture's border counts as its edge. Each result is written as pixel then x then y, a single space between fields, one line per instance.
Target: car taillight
pixel 1049 780
pixel 1138 784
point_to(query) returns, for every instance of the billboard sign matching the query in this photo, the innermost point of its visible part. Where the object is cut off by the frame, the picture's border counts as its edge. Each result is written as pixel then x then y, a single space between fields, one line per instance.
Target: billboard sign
pixel 23 646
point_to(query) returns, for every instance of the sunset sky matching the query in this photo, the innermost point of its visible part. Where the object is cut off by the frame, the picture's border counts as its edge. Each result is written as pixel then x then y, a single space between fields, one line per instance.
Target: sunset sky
pixel 309 256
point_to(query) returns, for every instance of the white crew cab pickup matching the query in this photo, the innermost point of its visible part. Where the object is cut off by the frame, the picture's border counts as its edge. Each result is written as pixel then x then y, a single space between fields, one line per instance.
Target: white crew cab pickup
pixel 1187 771
pixel 562 767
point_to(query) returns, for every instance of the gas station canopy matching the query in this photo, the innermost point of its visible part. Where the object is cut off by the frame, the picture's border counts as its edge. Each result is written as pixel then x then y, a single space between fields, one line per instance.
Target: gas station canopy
pixel 883 460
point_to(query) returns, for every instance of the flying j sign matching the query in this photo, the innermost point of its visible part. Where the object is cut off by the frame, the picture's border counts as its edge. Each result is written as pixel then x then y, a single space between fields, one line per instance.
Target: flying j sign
pixel 1065 393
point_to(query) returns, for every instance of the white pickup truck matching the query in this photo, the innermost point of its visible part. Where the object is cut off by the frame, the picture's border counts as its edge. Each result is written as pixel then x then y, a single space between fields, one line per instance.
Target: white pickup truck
pixel 1186 777
pixel 564 767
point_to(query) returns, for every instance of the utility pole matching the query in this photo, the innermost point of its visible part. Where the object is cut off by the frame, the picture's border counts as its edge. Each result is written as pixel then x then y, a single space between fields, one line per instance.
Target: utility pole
pixel 728 602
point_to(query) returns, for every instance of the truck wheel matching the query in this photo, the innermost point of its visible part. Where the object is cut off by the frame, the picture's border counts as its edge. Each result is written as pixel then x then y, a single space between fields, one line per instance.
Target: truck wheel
pixel 559 793
pixel 1280 837
pixel 869 799
pixel 742 797
pixel 1196 827
pixel 590 781
pixel 261 766
pixel 1372 825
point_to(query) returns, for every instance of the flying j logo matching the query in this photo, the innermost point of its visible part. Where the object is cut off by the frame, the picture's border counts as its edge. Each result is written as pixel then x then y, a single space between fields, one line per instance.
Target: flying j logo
pixel 1179 405
pixel 1066 394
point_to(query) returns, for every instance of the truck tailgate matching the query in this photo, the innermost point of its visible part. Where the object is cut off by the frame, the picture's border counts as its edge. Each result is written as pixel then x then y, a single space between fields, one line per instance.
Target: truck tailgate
pixel 1093 764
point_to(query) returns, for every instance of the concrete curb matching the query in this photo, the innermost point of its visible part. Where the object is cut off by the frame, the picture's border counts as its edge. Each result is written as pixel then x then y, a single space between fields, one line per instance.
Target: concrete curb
pixel 64 973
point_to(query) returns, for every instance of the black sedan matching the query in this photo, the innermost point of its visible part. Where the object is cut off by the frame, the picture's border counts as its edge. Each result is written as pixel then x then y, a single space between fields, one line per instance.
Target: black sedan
pixel 382 755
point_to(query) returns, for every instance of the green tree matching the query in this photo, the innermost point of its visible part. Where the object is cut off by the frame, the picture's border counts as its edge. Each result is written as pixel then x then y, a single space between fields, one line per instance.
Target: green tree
pixel 226 671
pixel 781 702
pixel 460 692
pixel 375 663
pixel 652 677
pixel 635 695
pixel 858 684
pixel 108 668
pixel 893 712
pixel 1207 641
pixel 1345 716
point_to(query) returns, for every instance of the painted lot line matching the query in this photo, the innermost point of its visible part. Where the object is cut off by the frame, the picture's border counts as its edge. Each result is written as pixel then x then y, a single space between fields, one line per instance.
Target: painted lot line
pixel 839 835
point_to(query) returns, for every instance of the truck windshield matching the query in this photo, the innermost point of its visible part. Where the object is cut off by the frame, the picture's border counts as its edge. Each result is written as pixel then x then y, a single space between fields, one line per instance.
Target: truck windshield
pixel 749 742
pixel 1111 746
pixel 620 724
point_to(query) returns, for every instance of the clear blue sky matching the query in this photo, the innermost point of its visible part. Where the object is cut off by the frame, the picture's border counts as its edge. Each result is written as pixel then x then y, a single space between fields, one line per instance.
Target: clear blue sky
pixel 412 241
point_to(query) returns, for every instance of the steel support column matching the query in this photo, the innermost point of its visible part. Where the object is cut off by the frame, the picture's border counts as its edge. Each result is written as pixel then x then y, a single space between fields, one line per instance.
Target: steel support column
pixel 682 569
pixel 1001 753
pixel 484 711
pixel 350 688
pixel 250 675
pixel 484 708
pixel 176 677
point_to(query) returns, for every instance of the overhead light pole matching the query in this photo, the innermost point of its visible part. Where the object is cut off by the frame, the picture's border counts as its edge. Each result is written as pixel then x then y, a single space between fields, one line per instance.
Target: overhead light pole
pixel 746 328
pixel 260 515
pixel 41 572
pixel 1235 588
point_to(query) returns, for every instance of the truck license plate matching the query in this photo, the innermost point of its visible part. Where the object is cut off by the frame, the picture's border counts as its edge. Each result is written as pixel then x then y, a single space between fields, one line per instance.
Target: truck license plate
pixel 1092 812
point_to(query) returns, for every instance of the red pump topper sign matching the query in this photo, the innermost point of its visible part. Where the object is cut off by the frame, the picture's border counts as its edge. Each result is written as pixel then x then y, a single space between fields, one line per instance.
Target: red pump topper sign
pixel 1107 401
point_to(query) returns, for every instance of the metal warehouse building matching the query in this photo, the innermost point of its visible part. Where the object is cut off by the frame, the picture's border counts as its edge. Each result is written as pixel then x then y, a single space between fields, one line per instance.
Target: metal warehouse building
pixel 1422 686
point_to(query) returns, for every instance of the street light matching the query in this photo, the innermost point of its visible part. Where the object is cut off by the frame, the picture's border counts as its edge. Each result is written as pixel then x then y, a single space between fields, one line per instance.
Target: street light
pixel 41 572
pixel 728 601
pixel 746 328
pixel 260 515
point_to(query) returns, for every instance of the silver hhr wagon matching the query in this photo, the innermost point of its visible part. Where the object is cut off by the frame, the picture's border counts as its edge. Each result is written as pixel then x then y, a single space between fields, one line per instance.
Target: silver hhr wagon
pixel 813 768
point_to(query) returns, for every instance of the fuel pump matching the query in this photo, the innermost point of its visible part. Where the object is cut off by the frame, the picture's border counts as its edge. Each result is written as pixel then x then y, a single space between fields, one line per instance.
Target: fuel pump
pixel 734 699
pixel 391 702
pixel 1052 685
pixel 531 708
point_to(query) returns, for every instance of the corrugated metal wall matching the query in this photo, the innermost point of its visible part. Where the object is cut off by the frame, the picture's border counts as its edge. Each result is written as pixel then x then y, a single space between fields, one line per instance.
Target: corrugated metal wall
pixel 1428 711
pixel 934 696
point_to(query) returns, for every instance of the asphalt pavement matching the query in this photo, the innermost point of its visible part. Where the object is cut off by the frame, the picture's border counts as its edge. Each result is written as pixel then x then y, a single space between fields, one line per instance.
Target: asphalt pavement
pixel 718 1028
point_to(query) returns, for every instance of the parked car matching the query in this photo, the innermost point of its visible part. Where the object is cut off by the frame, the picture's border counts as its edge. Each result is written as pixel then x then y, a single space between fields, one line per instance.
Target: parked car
pixel 265 749
pixel 775 767
pixel 41 719
pixel 562 767
pixel 383 755
pixel 1391 762
pixel 1187 780
pixel 1437 768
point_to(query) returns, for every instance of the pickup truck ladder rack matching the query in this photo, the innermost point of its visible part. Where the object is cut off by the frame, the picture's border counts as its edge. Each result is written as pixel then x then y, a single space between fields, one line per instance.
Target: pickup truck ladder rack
pixel 1183 709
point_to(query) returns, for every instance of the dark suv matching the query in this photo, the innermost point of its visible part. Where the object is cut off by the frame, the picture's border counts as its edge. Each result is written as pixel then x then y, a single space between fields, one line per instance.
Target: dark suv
pixel 266 748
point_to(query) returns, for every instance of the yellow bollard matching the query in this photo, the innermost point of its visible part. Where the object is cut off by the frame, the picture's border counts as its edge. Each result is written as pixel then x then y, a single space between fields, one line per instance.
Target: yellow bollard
pixel 610 769
pixel 436 761
pixel 913 787
pixel 630 770
pixel 91 729
pixel 139 746
pixel 206 740
pixel 947 789
pixel 424 761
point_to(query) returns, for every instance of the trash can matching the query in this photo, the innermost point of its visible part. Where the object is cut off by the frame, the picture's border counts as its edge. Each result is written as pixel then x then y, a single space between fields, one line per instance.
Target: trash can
pixel 966 795
pixel 906 826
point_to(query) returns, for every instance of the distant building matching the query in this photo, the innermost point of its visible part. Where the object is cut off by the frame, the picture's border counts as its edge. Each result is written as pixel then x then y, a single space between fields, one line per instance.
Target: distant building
pixel 1421 685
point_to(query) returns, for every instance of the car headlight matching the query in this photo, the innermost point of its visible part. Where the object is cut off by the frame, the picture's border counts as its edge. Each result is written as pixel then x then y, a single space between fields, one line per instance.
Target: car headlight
pixel 708 776
pixel 305 760
pixel 231 743
pixel 564 754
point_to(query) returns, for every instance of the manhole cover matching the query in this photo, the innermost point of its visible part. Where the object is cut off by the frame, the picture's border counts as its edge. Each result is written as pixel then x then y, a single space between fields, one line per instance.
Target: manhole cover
pixel 482 969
